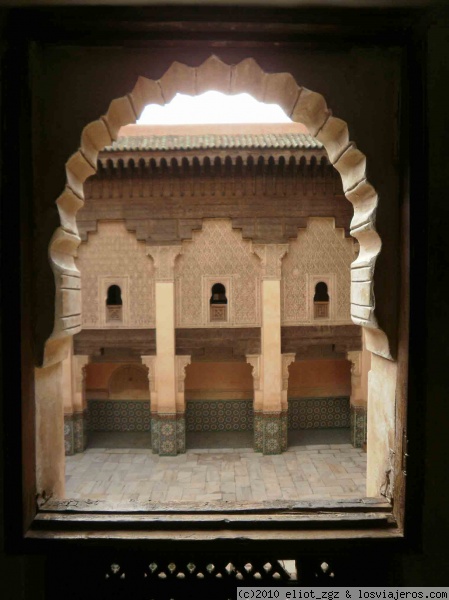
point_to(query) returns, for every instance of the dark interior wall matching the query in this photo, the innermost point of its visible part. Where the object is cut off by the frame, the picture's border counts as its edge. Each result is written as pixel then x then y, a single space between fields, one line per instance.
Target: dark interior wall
pixel 73 86
pixel 23 576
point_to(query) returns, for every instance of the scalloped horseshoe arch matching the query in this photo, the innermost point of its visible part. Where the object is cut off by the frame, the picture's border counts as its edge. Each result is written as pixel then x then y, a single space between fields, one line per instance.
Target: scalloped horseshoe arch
pixel 301 104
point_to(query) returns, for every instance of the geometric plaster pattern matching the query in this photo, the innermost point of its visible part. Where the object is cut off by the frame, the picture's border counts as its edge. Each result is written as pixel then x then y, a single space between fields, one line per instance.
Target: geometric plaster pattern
pixel 319 249
pixel 215 252
pixel 300 104
pixel 113 252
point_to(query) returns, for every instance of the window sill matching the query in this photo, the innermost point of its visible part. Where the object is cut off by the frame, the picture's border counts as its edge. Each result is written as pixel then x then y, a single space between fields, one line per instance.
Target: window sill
pixel 91 520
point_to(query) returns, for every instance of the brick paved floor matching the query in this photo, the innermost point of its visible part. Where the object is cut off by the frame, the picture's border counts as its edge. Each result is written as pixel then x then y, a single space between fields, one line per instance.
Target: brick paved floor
pixel 233 474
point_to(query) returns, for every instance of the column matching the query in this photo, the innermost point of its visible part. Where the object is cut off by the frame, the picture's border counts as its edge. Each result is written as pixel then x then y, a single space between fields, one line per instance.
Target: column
pixel 358 401
pixel 165 382
pixel 270 419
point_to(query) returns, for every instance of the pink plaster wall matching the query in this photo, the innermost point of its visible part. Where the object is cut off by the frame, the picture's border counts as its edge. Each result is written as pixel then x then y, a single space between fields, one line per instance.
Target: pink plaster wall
pixel 310 378
pixel 97 375
pixel 231 380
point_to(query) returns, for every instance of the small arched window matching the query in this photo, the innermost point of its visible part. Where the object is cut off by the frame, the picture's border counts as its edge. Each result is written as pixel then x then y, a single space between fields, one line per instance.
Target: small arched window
pixel 114 304
pixel 218 303
pixel 321 301
pixel 114 296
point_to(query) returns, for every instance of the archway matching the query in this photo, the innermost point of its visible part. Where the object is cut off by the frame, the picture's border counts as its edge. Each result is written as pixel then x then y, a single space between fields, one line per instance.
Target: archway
pixel 301 104
pixel 118 401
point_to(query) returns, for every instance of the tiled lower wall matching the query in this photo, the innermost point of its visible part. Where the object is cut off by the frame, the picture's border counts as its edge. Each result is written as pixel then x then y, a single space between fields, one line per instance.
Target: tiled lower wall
pixel 219 415
pixel 222 415
pixel 237 415
pixel 119 415
pixel 318 413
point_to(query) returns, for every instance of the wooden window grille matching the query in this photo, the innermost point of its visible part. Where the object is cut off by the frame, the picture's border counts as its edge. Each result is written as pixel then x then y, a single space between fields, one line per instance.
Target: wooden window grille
pixel 321 310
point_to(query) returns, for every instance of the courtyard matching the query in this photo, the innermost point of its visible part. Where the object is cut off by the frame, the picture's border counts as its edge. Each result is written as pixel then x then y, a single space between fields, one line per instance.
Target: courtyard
pixel 117 467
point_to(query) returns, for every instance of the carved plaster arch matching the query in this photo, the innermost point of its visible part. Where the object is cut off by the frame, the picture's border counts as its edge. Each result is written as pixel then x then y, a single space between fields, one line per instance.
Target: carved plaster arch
pixel 301 104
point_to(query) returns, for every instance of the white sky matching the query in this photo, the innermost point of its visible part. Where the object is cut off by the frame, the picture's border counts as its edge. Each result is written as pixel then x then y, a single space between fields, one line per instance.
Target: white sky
pixel 212 107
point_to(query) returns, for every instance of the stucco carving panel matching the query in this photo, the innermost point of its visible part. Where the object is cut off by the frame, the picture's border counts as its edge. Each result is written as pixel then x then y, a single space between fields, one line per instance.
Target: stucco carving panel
pixel 217 251
pixel 111 252
pixel 321 248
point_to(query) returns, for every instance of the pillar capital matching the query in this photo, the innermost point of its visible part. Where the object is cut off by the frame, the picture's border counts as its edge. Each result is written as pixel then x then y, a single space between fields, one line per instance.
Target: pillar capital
pixel 164 261
pixel 271 256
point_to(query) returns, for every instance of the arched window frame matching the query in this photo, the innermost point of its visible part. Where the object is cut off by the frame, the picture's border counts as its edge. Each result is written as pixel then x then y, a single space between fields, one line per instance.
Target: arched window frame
pixel 218 311
pixel 321 307
pixel 114 310
pixel 379 354
pixel 113 316
pixel 330 280
pixel 208 283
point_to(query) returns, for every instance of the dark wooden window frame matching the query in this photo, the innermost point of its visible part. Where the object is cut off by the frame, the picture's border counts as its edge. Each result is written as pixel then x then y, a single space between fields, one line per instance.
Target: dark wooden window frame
pixel 287 528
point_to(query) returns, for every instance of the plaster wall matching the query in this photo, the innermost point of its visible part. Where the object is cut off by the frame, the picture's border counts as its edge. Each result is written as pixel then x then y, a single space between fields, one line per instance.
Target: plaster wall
pixel 366 366
pixel 50 450
pixel 319 378
pixel 97 376
pixel 129 381
pixel 67 384
pixel 381 421
pixel 216 381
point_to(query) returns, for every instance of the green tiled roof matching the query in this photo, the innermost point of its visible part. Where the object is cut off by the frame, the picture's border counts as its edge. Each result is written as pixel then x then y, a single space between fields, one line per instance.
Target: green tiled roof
pixel 209 141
